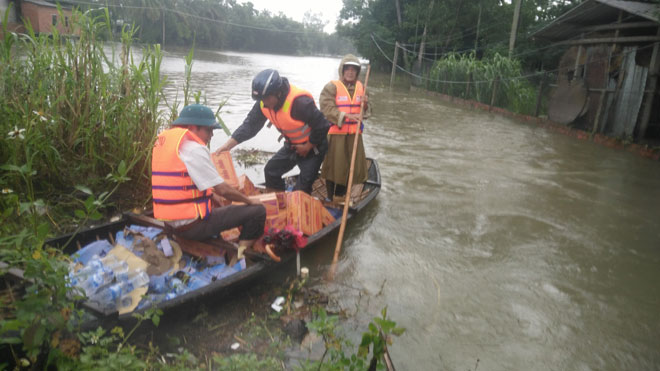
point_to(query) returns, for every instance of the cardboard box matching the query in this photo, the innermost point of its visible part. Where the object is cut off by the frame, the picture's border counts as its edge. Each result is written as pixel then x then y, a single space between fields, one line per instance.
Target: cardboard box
pixel 326 217
pixel 303 212
pixel 231 234
pixel 281 199
pixel 246 187
pixel 269 200
pixel 317 215
pixel 225 166
pixel 276 221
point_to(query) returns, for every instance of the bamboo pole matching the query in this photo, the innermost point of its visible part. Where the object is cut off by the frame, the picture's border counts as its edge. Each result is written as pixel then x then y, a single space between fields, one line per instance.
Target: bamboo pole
pixel 349 186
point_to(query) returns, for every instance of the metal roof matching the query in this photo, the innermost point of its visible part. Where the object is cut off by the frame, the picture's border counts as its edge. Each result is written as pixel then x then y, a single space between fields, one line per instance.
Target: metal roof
pixel 595 12
pixel 64 4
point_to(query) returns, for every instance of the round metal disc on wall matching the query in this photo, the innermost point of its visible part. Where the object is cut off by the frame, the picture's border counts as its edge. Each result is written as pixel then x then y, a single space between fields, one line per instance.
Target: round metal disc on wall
pixel 567 102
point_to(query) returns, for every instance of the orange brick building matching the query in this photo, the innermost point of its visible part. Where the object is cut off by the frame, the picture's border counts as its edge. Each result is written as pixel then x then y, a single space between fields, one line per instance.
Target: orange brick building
pixel 43 16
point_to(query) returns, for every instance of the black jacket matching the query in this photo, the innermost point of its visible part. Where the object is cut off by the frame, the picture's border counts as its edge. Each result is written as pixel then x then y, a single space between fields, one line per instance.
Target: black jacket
pixel 303 108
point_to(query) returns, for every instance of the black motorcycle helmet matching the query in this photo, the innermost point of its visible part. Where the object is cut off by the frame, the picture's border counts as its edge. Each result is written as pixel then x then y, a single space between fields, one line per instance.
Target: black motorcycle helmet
pixel 267 82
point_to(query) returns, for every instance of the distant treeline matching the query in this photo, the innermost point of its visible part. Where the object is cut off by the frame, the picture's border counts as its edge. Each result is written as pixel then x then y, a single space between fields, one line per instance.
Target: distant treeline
pixel 436 28
pixel 222 24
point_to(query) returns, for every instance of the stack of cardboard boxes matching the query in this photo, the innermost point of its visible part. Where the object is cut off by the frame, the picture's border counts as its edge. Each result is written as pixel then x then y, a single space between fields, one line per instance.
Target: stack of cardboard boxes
pixel 298 209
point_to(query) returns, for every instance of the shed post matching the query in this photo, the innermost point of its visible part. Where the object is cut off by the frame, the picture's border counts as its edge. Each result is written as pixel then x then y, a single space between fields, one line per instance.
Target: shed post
pixel 651 85
pixel 603 94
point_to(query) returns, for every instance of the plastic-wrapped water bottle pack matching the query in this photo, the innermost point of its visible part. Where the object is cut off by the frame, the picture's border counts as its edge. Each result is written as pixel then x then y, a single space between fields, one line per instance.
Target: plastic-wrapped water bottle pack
pixel 108 281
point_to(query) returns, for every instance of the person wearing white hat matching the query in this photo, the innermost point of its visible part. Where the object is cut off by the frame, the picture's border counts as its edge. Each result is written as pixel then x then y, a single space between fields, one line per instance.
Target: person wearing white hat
pixel 340 103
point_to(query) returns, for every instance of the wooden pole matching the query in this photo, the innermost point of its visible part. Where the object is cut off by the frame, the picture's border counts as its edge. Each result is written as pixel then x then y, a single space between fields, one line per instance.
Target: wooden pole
pixel 349 186
pixel 494 95
pixel 539 96
pixel 396 55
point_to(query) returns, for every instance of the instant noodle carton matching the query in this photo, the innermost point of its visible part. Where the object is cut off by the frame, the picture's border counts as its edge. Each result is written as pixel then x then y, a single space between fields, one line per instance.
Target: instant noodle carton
pixel 303 212
pixel 275 210
pixel 225 166
pixel 276 221
pixel 246 187
pixel 326 217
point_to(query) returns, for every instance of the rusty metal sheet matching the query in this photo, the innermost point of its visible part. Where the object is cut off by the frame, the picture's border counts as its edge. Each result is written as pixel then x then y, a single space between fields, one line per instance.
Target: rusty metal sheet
pixel 567 102
pixel 630 95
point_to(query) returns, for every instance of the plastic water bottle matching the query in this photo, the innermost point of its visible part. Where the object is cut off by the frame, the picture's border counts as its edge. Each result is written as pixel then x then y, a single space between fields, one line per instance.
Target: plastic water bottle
pixel 116 295
pixel 109 296
pixel 92 266
pixel 96 280
pixel 177 286
pixel 197 281
pixel 140 279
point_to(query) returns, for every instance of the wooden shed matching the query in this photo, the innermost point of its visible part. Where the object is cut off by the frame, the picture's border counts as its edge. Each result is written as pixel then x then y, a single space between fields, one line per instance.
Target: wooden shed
pixel 607 78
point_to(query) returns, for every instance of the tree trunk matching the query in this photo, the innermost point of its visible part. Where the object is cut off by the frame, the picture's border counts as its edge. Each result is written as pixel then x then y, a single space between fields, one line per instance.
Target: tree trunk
pixel 398 12
pixel 420 56
pixel 514 27
pixel 458 10
pixel 476 39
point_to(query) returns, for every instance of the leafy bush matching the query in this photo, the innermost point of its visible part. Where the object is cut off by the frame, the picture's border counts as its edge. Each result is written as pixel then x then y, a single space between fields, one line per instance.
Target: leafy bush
pixel 465 76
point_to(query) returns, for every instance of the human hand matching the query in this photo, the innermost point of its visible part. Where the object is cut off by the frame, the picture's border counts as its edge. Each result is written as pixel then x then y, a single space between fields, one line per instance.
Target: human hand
pixel 254 202
pixel 218 201
pixel 227 146
pixel 352 117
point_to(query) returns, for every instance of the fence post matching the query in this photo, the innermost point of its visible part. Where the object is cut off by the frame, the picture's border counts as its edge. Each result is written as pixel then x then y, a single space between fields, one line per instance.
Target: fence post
pixel 467 88
pixel 396 54
pixel 494 95
pixel 539 95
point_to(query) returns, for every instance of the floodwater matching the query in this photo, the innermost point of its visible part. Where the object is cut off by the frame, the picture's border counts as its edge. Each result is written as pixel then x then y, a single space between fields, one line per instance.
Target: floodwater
pixel 497 245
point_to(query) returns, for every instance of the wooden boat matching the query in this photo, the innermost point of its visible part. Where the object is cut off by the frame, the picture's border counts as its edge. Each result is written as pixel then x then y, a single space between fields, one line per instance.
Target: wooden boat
pixel 256 264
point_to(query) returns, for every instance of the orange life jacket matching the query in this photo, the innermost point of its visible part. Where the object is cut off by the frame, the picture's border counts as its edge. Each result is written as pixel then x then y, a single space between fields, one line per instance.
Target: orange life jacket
pixel 175 196
pixel 295 131
pixel 348 104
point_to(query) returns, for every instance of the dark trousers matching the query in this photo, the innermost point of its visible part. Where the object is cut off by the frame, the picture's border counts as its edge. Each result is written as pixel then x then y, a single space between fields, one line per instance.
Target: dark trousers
pixel 250 217
pixel 335 189
pixel 286 158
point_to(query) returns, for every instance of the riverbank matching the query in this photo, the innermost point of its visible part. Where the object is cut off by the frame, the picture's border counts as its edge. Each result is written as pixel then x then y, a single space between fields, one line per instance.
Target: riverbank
pixel 651 152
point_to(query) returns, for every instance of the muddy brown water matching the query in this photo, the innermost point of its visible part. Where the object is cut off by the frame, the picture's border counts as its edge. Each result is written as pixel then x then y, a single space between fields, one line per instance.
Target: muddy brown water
pixel 496 244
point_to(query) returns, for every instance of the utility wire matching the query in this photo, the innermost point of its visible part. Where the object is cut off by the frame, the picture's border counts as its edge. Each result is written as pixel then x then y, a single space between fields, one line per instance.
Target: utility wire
pixel 489 46
pixel 622 53
pixel 175 11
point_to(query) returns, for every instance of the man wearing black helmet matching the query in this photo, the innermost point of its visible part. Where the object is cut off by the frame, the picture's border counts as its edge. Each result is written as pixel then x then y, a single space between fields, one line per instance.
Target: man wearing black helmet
pixel 302 125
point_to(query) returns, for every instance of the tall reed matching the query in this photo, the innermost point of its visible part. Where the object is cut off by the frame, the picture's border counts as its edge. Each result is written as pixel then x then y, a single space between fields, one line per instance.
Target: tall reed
pixel 72 110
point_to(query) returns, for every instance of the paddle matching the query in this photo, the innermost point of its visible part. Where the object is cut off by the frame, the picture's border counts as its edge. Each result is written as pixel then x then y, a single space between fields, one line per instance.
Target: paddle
pixel 342 227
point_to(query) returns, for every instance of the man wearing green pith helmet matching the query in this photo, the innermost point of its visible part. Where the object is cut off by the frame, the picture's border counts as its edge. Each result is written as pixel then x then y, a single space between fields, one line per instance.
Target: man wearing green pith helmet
pixel 184 182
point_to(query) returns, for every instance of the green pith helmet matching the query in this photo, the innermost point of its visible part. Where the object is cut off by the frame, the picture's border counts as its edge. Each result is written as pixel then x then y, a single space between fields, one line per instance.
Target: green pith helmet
pixel 197 114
